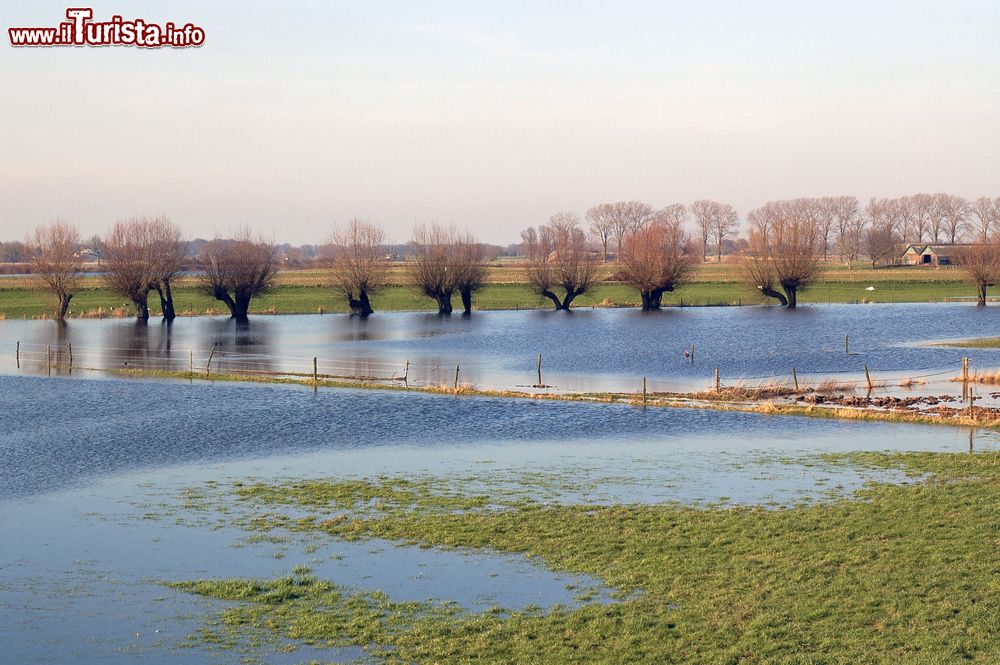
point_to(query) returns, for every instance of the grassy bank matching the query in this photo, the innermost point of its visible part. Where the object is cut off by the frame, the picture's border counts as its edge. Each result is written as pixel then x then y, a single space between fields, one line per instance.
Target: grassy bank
pixel 898 573
pixel 305 292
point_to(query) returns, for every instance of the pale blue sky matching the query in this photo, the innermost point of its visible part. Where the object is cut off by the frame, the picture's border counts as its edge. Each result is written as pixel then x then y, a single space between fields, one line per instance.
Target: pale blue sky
pixel 494 115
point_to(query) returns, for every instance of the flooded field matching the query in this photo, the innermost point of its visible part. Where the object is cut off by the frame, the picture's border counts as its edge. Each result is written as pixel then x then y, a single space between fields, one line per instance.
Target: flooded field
pixel 110 489
pixel 500 349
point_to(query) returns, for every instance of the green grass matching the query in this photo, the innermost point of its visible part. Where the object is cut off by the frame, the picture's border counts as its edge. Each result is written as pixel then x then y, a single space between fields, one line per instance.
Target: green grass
pixel 22 302
pixel 896 574
pixel 982 343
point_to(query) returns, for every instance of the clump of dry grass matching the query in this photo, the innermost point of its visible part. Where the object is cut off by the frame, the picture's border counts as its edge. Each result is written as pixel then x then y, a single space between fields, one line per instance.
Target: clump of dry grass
pixel 991 377
pixel 909 383
pixel 833 386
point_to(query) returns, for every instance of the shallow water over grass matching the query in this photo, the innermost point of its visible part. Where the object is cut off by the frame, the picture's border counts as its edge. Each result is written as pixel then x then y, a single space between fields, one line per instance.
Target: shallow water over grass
pixel 98 505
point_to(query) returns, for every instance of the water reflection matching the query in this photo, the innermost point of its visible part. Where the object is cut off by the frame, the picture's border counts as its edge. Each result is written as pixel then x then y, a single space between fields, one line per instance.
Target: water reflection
pixel 601 349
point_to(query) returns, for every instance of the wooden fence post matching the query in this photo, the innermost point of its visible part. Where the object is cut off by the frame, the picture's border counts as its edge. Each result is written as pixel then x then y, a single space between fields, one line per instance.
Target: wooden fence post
pixel 868 378
pixel 191 362
pixel 208 365
pixel 847 351
pixel 539 385
pixel 795 379
pixel 692 354
pixel 315 370
pixel 48 359
pixel 70 356
pixel 644 392
pixel 406 373
pixel 18 354
pixel 716 379
pixel 456 376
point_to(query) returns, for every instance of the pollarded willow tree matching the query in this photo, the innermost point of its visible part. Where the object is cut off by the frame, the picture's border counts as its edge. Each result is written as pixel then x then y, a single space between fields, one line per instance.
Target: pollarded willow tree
pixel 238 269
pixel 55 262
pixel 784 240
pixel 656 259
pixel 559 258
pixel 446 261
pixel 143 254
pixel 472 264
pixel 433 269
pixel 359 262
pixel 981 264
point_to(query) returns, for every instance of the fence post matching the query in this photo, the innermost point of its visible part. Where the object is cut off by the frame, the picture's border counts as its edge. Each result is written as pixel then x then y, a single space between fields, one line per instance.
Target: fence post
pixel 456 376
pixel 315 370
pixel 539 385
pixel 191 362
pixel 846 347
pixel 644 392
pixel 795 378
pixel 18 354
pixel 868 378
pixel 70 356
pixel 716 379
pixel 692 354
pixel 208 365
pixel 48 358
pixel 406 373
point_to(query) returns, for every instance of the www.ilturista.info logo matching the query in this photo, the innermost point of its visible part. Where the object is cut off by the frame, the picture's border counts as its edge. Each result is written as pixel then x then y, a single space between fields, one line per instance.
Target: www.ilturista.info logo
pixel 81 30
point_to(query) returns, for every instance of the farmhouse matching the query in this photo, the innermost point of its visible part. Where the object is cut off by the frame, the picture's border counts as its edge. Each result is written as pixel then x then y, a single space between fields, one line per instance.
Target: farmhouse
pixel 931 255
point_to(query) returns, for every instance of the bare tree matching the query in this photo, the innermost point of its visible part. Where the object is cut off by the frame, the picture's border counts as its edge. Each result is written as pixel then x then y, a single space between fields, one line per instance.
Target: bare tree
pixel 359 262
pixel 168 251
pixel 143 254
pixel 725 221
pixel 434 266
pixel 704 215
pixel 559 257
pixel 55 262
pixel 923 213
pixel 846 214
pixel 237 270
pixel 881 237
pixel 936 217
pixel 981 263
pixel 655 259
pixel 987 213
pixel 783 244
pixel 128 263
pixel 955 212
pixel 603 224
pixel 471 266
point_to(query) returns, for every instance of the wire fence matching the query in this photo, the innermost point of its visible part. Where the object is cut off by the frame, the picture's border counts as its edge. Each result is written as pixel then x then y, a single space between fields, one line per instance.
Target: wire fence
pixel 433 373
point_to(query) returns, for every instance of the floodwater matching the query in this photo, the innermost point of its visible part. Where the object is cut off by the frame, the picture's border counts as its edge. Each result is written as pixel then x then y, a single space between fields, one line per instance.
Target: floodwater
pixel 94 478
pixel 585 350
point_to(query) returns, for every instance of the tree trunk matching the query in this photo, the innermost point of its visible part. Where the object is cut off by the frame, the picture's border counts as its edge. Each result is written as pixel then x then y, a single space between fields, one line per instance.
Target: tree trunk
pixel 554 298
pixel 224 297
pixel 467 300
pixel 241 307
pixel 142 309
pixel 444 303
pixel 982 295
pixel 771 293
pixel 63 306
pixel 166 301
pixel 792 293
pixel 570 295
pixel 360 306
pixel 651 300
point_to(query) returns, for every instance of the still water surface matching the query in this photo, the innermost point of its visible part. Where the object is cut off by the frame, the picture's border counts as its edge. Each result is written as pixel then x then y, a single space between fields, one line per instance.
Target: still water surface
pixel 583 350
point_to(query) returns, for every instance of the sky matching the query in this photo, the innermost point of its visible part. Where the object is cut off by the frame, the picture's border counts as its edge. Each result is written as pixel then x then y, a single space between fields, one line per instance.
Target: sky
pixel 492 115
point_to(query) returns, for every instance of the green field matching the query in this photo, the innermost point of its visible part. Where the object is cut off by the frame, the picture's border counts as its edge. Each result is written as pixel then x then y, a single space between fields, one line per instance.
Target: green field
pixel 895 574
pixel 304 292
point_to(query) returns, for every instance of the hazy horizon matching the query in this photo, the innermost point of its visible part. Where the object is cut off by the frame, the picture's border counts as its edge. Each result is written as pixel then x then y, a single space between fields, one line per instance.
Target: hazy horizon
pixel 493 116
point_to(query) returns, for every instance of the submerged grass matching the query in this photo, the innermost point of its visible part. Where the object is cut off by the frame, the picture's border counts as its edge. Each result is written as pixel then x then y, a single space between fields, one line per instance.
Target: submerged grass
pixel 897 573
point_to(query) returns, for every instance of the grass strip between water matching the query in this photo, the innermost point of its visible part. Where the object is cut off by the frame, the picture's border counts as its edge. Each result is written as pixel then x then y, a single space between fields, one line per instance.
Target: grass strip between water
pixel 895 573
